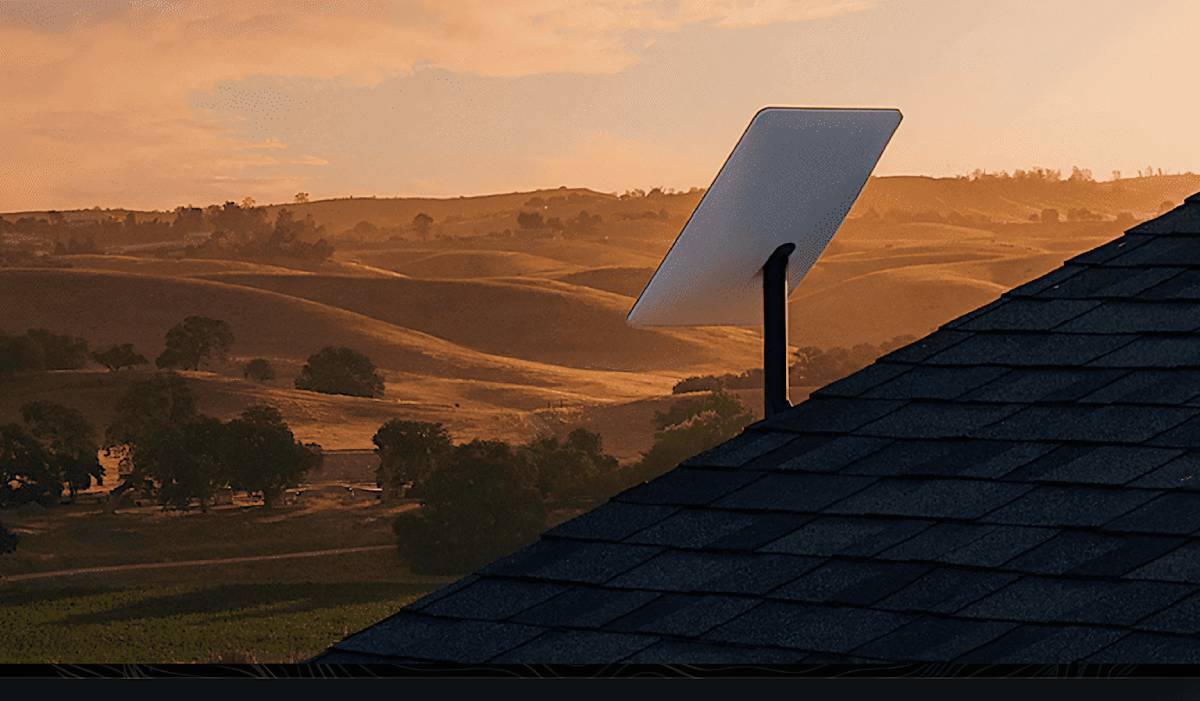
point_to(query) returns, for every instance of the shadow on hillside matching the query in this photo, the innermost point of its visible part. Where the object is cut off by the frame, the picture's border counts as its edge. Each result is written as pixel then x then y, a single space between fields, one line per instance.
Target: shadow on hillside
pixel 247 601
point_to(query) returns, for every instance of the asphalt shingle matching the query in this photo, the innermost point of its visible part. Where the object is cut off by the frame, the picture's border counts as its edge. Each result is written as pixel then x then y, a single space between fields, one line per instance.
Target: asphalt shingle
pixel 850 582
pixel 682 571
pixel 685 615
pixel 801 492
pixel 945 590
pixel 941 458
pixel 1030 349
pixel 1043 599
pixel 807 627
pixel 931 499
pixel 932 639
pixel 421 637
pixel 1070 506
pixel 572 561
pixel 833 535
pixel 688 487
pixel 1092 554
pixel 1030 315
pixel 568 647
pixel 819 453
pixel 1033 644
pixel 937 420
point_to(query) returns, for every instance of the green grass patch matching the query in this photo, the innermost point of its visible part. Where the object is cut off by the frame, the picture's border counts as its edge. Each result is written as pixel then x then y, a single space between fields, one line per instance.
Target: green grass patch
pixel 232 622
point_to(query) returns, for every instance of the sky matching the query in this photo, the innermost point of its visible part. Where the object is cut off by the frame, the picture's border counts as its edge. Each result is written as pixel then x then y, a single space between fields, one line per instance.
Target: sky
pixel 155 103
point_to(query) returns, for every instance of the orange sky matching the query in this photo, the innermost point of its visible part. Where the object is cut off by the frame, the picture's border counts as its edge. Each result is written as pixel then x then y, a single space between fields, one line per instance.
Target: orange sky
pixel 147 103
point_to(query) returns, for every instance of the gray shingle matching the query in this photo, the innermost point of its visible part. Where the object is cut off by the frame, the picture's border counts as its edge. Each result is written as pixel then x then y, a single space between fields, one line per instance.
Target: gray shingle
pixel 572 561
pixel 1030 314
pixel 1153 352
pixel 1184 219
pixel 850 582
pixel 800 492
pixel 960 458
pixel 1092 554
pixel 688 487
pixel 935 382
pixel 1070 506
pixel 937 420
pixel 937 540
pixel 831 415
pixel 946 590
pixel 806 627
pixel 1043 385
pixel 1041 600
pixel 934 639
pixel 719 530
pixel 1030 644
pixel 1182 618
pixel 921 349
pixel 740 450
pixel 1101 283
pixel 1184 435
pixel 1150 387
pixel 683 571
pixel 1136 317
pixel 678 652
pixel 933 498
pixel 832 535
pixel 585 607
pixel 1177 513
pixel 1158 251
pixel 1095 424
pixel 1150 648
pixel 856 383
pixel 819 453
pixel 1030 349
pixel 421 637
pixel 1094 464
pixel 999 545
pixel 576 647
pixel 612 521
pixel 1050 280
pixel 1180 473
pixel 686 615
pixel 1180 565
pixel 1113 249
pixel 1184 286
pixel 493 599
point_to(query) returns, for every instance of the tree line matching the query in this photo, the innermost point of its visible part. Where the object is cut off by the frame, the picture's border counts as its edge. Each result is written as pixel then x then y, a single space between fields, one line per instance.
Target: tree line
pixel 810 366
pixel 192 343
pixel 235 230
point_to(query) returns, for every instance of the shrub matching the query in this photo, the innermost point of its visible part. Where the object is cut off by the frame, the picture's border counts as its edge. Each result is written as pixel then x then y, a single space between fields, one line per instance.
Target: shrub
pixel 259 370
pixel 337 370
pixel 483 503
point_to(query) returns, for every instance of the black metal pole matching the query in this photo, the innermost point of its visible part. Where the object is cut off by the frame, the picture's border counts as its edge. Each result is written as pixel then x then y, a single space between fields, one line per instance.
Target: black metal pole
pixel 775 335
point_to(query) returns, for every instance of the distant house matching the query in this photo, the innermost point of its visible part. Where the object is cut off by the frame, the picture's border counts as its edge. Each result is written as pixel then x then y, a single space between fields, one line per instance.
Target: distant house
pixel 1021 486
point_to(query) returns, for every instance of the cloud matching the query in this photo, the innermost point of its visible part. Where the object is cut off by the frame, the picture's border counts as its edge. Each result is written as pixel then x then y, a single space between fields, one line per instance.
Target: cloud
pixel 97 95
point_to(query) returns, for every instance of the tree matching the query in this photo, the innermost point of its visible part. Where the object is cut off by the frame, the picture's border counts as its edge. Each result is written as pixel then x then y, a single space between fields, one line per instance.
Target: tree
pixel 301 197
pixel 8 540
pixel 194 340
pixel 259 370
pixel 482 503
pixel 184 462
pixel 409 453
pixel 570 469
pixel 59 352
pixel 148 409
pixel 248 202
pixel 262 455
pixel 690 427
pixel 117 357
pixel 339 370
pixel 26 472
pixel 19 354
pixel 69 441
pixel 422 223
pixel 1050 216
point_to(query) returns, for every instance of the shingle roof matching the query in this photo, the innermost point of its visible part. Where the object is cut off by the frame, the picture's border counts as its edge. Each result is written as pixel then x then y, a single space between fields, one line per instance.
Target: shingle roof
pixel 1018 487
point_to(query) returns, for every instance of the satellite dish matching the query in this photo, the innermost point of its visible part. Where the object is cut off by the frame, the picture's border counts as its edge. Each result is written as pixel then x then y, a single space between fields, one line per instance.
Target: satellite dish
pixel 773 207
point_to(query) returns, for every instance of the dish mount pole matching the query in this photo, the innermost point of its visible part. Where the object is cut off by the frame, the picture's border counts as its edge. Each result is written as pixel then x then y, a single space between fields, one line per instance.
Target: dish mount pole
pixel 775 331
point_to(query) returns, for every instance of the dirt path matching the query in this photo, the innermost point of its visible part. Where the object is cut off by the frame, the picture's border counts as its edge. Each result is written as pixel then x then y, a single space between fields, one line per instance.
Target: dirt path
pixel 190 563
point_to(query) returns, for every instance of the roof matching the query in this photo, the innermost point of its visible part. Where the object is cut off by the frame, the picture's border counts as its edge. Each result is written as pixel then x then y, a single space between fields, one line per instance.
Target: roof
pixel 1021 486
